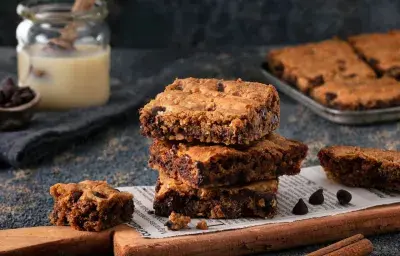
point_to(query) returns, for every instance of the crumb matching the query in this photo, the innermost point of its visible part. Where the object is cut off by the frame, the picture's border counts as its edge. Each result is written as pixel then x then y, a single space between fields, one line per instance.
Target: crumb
pixel 202 225
pixel 177 221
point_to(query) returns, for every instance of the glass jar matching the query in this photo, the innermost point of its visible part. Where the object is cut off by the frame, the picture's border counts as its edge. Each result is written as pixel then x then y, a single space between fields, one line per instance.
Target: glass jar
pixel 70 77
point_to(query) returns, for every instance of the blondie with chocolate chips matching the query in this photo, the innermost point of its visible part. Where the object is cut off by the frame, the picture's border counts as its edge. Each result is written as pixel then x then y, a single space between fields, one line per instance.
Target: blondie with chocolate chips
pixel 212 111
pixel 311 65
pixel 252 200
pixel 90 205
pixel 362 167
pixel 381 51
pixel 202 165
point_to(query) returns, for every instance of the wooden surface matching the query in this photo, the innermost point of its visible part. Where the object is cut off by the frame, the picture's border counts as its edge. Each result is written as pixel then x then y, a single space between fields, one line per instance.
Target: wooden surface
pixel 54 241
pixel 127 242
pixel 273 237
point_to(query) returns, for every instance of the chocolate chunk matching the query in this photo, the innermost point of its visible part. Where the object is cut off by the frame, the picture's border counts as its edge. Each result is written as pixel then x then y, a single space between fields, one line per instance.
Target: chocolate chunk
pixel 168 224
pixel 317 197
pixel 99 195
pixel 76 195
pixel 317 81
pixel 150 212
pixel 373 62
pixel 16 99
pixel 344 197
pixel 156 109
pixel 300 208
pixel 8 88
pixel 330 96
pixel 220 87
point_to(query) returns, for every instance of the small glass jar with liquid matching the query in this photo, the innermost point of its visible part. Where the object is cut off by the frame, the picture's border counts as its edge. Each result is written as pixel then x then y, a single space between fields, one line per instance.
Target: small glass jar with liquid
pixel 72 76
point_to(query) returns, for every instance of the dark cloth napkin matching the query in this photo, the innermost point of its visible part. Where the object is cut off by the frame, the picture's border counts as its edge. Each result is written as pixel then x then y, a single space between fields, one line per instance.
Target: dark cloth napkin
pixel 50 131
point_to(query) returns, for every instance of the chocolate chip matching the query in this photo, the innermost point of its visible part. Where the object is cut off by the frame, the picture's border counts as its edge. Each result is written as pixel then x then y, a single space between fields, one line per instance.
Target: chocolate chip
pixel 168 224
pixel 76 195
pixel 373 62
pixel 317 197
pixel 150 212
pixel 344 197
pixel 330 96
pixel 300 208
pixel 156 109
pixel 99 195
pixel 220 86
pixel 279 69
pixel 317 81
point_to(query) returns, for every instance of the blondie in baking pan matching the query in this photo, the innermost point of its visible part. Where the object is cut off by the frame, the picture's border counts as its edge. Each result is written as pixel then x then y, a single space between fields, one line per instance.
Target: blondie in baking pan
pixel 347 82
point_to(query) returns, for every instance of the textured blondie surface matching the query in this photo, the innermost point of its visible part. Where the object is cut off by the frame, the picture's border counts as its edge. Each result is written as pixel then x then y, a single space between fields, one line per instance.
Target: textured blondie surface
pixel 254 200
pixel 212 110
pixel 359 94
pixel 362 167
pixel 311 65
pixel 203 165
pixel 381 51
pixel 90 205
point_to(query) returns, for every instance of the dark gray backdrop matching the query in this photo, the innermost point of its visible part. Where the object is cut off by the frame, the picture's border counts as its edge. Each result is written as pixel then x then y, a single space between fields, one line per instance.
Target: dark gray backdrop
pixel 211 23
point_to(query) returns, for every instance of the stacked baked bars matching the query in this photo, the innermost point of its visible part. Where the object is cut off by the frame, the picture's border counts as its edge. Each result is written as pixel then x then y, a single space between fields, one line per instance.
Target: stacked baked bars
pixel 215 148
pixel 356 74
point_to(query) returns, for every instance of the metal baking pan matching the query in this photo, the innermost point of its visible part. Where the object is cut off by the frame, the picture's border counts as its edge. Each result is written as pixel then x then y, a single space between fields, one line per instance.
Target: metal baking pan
pixel 337 116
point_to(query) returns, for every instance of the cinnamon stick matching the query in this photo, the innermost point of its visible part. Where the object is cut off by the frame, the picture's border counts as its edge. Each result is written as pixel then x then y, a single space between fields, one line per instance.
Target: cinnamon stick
pixel 353 246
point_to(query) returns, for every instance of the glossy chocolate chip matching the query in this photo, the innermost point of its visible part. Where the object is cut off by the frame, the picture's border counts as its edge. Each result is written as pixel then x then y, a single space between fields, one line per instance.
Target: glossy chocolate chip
pixel 344 197
pixel 317 197
pixel 99 195
pixel 300 208
pixel 220 86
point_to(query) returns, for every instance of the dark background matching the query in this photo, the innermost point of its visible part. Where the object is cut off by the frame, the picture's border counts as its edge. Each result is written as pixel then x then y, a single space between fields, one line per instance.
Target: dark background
pixel 212 23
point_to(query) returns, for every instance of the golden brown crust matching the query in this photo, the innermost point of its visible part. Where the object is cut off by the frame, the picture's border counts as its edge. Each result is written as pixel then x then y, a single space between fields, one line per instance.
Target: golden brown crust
pixel 359 94
pixel 90 205
pixel 204 165
pixel 311 65
pixel 362 167
pixel 381 51
pixel 212 110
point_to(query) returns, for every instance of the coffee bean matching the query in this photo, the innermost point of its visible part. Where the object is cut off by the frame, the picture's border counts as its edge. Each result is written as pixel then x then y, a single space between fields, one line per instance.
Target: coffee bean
pixel 220 86
pixel 317 197
pixel 344 197
pixel 99 195
pixel 300 208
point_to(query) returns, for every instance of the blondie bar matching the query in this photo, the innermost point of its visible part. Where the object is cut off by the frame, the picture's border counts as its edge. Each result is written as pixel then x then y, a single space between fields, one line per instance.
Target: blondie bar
pixel 310 65
pixel 381 51
pixel 254 200
pixel 359 95
pixel 362 167
pixel 90 205
pixel 202 165
pixel 212 110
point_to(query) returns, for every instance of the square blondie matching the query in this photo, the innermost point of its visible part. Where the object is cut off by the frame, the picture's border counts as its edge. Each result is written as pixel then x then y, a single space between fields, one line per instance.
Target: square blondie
pixel 380 50
pixel 212 111
pixel 311 65
pixel 90 205
pixel 202 165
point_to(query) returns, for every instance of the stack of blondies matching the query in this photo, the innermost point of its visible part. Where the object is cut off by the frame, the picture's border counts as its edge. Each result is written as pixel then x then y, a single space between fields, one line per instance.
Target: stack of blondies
pixel 215 148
